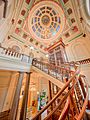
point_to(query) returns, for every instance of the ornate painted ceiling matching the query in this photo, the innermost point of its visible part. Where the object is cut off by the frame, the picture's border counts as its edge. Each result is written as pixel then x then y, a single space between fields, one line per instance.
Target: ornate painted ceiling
pixel 45 22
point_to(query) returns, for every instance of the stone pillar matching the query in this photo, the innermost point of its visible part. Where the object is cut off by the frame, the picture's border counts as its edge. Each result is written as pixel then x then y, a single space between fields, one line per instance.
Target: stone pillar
pixel 11 91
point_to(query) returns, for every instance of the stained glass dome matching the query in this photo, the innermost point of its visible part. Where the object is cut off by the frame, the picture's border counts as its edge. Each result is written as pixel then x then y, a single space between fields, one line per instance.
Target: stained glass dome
pixel 46 20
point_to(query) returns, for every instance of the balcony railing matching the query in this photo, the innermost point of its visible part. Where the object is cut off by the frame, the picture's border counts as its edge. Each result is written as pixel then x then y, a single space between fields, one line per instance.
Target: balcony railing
pixel 70 101
pixel 6 52
pixel 58 72
pixel 14 61
pixel 74 102
pixel 85 61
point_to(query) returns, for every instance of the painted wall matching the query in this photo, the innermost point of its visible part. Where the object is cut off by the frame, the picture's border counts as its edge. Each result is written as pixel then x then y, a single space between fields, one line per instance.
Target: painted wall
pixel 8 82
pixel 5 23
pixel 24 47
pixel 79 49
pixel 4 84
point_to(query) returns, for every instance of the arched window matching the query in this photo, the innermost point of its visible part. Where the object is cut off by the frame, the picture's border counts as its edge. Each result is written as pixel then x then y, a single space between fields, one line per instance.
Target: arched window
pixel 16 48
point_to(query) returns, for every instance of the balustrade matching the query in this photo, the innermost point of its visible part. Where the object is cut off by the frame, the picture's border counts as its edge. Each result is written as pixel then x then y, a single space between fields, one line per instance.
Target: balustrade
pixel 57 72
pixel 70 101
pixel 84 61
pixel 73 103
pixel 5 52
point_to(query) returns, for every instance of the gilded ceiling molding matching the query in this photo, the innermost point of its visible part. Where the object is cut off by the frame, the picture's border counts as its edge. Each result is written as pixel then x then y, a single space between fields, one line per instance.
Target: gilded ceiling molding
pixel 46 20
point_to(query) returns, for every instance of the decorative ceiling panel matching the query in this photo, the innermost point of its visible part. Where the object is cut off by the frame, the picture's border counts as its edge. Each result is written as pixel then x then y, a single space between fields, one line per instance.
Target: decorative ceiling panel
pixel 47 21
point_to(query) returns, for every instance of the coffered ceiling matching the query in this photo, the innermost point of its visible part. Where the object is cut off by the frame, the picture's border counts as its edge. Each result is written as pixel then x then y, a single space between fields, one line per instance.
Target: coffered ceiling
pixel 43 23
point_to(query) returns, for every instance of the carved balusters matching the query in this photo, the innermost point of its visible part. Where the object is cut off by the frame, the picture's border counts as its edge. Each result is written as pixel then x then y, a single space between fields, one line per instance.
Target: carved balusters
pixel 82 86
pixel 79 95
pixel 55 71
pixel 50 94
pixel 9 52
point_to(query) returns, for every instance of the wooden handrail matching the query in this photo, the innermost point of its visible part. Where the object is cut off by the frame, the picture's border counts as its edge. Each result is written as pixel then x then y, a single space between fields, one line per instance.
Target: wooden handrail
pixel 63 67
pixel 84 61
pixel 55 97
pixel 82 111
pixel 63 99
pixel 82 86
pixel 4 115
pixel 66 108
pixel 55 71
pixel 68 89
pixel 84 105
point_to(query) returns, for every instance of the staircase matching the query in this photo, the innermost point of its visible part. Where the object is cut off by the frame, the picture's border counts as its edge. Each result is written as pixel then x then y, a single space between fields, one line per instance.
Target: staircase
pixel 72 96
pixel 55 74
pixel 68 102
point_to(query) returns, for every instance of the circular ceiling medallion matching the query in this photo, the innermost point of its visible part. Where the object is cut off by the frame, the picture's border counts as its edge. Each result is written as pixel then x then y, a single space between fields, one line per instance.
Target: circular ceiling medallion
pixel 46 20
